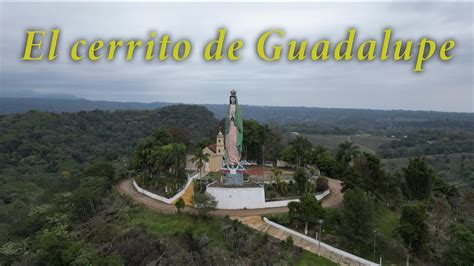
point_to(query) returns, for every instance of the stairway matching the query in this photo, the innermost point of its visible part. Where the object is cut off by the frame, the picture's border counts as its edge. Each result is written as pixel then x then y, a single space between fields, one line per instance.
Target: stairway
pixel 188 195
pixel 258 224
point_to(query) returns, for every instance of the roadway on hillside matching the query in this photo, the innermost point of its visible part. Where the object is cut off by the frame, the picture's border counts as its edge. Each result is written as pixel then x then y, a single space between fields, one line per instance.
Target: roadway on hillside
pixel 125 187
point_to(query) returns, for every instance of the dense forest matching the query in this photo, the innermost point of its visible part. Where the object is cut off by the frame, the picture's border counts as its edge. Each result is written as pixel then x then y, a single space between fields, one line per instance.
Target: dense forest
pixel 306 119
pixel 58 169
pixel 58 205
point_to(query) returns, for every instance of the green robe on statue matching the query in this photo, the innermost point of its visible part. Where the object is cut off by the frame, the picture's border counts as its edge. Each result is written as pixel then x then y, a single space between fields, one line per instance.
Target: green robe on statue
pixel 233 132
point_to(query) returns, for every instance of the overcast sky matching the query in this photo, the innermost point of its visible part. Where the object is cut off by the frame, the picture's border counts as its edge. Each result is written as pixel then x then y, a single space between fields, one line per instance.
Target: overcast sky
pixel 444 86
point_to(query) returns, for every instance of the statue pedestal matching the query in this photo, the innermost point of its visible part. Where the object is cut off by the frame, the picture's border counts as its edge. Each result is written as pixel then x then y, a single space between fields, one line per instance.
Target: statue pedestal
pixel 233 176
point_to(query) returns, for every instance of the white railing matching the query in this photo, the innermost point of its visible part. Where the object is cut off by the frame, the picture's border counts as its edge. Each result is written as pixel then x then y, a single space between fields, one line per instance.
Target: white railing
pixel 165 199
pixel 323 195
pixel 324 245
pixel 284 203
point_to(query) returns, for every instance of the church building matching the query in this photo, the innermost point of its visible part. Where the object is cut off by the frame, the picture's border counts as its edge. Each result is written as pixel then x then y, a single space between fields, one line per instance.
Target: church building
pixel 216 153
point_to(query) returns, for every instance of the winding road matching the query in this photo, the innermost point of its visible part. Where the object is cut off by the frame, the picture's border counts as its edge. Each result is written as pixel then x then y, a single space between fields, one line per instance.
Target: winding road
pixel 125 187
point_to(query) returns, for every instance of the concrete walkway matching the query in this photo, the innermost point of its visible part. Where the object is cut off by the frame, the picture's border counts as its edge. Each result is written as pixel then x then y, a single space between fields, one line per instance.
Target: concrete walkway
pixel 258 224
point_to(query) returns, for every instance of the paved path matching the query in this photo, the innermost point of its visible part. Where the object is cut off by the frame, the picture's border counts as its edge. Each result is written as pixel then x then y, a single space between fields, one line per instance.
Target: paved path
pixel 258 224
pixel 333 200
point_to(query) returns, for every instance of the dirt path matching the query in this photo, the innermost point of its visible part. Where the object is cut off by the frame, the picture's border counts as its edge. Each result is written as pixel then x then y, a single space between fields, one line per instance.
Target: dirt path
pixel 334 199
pixel 125 187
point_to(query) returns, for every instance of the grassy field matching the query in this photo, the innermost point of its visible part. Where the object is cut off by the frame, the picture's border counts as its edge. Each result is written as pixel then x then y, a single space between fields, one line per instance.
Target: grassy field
pixel 388 222
pixel 163 225
pixel 370 142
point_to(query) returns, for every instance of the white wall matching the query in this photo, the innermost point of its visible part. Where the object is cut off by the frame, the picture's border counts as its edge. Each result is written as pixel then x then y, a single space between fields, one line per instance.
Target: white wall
pixel 238 198
pixel 229 198
pixel 284 203
pixel 164 199
pixel 326 246
pixel 248 198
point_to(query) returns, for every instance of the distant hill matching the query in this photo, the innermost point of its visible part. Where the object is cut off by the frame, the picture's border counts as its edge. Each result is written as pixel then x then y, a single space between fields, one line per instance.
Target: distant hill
pixel 308 119
pixel 70 105
pixel 51 139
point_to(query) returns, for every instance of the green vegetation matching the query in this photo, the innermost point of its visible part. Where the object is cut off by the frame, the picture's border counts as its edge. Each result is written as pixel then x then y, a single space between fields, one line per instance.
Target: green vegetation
pixel 308 210
pixel 180 204
pixel 387 222
pixel 204 203
pixel 58 206
pixel 260 139
pixel 57 172
pixel 389 214
pixel 419 179
pixel 460 249
pixel 160 163
pixel 413 228
pixel 200 158
pixel 308 259
pixel 456 169
pixel 357 220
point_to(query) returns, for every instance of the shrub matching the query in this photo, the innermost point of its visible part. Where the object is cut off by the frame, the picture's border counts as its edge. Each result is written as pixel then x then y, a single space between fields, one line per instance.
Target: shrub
pixel 322 184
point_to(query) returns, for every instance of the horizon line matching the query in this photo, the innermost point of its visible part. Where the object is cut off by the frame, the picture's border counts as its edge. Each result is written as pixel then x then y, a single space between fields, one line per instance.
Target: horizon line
pixel 73 97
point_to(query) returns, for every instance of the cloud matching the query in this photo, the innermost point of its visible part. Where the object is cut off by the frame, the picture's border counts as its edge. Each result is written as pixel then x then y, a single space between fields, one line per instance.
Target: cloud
pixel 382 85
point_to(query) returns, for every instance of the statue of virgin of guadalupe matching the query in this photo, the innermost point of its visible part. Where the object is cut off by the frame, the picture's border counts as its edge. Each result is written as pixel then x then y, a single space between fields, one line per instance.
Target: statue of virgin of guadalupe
pixel 234 130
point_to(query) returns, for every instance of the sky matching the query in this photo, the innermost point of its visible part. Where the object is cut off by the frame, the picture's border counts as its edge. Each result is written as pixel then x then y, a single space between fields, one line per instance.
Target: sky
pixel 443 86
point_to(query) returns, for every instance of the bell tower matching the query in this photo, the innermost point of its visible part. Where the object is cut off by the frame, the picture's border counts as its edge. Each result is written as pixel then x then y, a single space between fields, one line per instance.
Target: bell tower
pixel 220 148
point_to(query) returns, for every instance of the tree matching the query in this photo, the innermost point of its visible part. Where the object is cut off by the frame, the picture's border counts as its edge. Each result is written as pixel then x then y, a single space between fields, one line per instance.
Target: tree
pixel 147 157
pixel 252 142
pixel 346 152
pixel 322 184
pixel 323 158
pixel 179 204
pixel 289 154
pixel 302 148
pixel 272 141
pixel 358 219
pixel 101 169
pixel 419 179
pixel 307 210
pixel 88 197
pixel 460 248
pixel 180 135
pixel 367 174
pixel 265 132
pixel 301 179
pixel 199 158
pixel 277 172
pixel 261 141
pixel 204 203
pixel 413 227
pixel 174 159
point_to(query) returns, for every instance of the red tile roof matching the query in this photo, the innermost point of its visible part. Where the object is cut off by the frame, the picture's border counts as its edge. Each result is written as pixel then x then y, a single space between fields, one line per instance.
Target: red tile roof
pixel 212 147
